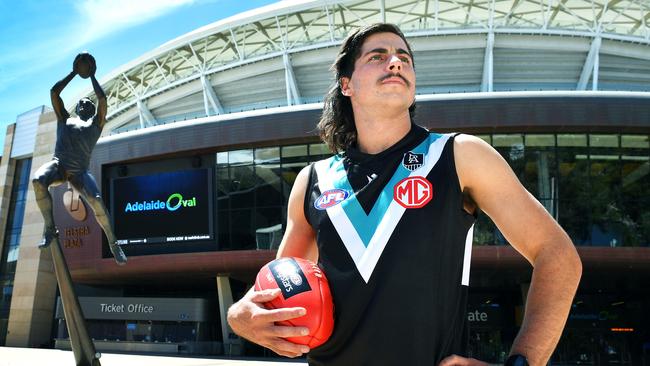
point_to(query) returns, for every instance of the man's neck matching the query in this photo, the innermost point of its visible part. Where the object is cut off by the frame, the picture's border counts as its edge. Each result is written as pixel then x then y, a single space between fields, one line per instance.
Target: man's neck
pixel 376 133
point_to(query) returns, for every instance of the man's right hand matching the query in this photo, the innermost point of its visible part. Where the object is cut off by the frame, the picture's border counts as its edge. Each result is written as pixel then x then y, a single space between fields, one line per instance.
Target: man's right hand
pixel 249 319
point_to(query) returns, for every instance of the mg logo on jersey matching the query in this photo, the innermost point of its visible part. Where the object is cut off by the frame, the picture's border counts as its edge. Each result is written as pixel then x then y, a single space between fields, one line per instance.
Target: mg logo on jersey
pixel 330 198
pixel 413 192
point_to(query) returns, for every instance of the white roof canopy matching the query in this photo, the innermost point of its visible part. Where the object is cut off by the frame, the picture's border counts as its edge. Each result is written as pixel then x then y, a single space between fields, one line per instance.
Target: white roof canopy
pixel 279 55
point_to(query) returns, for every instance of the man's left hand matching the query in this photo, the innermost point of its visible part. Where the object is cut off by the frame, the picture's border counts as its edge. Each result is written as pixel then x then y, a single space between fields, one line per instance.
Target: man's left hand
pixel 455 360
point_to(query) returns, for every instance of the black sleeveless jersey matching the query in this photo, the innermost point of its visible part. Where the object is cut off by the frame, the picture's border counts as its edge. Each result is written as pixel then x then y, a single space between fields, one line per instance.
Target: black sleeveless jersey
pixel 75 143
pixel 395 244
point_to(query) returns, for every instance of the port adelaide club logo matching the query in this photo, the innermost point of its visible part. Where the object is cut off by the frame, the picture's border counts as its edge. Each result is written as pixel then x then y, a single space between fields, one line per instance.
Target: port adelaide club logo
pixel 412 161
pixel 331 198
pixel 413 192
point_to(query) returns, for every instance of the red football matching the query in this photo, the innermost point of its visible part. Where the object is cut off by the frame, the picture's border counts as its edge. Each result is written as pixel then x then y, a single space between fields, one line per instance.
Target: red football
pixel 303 284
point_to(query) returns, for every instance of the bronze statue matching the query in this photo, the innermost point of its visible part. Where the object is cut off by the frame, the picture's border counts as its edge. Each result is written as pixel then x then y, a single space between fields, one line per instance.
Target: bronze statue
pixel 75 140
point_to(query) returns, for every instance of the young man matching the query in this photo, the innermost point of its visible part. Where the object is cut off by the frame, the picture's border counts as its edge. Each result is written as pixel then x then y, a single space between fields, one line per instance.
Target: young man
pixel 75 139
pixel 396 248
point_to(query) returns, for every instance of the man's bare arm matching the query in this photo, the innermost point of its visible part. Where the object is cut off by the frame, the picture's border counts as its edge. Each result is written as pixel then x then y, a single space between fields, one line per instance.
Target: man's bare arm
pixel 299 238
pixel 100 117
pixel 62 114
pixel 526 224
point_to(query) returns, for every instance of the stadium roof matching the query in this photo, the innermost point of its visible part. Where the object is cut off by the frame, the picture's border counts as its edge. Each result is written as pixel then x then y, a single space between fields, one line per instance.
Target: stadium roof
pixel 279 55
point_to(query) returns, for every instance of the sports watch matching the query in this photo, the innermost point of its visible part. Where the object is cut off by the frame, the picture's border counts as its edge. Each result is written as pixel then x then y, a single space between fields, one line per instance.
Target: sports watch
pixel 516 360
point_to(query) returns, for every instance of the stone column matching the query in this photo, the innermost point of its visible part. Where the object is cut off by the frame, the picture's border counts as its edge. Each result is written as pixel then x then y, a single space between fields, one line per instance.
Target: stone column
pixel 7 171
pixel 232 344
pixel 33 298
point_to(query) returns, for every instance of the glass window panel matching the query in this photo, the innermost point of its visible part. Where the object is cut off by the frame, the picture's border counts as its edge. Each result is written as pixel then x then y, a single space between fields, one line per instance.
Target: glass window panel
pixel 242 186
pixel 635 190
pixel 293 151
pixel 109 330
pixel 267 155
pixel 635 141
pixel 223 220
pixel 19 215
pixel 511 147
pixel 319 149
pixel 269 228
pixel 223 188
pixel 21 194
pixel 603 140
pixel 222 158
pixel 268 191
pixel 293 154
pixel 635 158
pixel 539 173
pixel 607 227
pixel 540 140
pixel 12 256
pixel 574 196
pixel 507 140
pixel 540 177
pixel 484 232
pixel 240 157
pixel 14 238
pixel 5 299
pixel 10 265
pixel 223 203
pixel 10 250
pixel 4 320
pixel 242 229
pixel 572 140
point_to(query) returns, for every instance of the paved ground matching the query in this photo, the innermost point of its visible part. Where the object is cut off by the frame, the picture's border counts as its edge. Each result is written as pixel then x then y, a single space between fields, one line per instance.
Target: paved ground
pixel 44 357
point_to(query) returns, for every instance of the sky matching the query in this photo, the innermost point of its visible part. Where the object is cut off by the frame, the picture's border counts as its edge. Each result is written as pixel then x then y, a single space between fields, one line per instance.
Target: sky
pixel 39 39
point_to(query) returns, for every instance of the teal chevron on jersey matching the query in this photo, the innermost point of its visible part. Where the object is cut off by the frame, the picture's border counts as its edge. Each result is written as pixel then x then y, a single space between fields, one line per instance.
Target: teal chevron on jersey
pixel 366 224
pixel 366 235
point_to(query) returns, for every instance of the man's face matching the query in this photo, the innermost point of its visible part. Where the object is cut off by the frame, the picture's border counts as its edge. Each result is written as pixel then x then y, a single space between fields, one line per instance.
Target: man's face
pixel 85 109
pixel 383 74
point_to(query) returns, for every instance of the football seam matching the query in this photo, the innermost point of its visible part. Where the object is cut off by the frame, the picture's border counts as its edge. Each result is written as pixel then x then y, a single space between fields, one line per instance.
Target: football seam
pixel 322 306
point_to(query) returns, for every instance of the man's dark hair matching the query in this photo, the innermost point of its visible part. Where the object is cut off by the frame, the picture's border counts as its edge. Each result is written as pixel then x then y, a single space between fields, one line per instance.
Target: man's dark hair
pixel 336 124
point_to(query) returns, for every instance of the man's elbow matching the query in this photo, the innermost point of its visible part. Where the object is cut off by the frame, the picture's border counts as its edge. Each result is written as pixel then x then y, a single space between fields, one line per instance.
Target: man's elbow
pixel 578 266
pixel 572 263
pixel 561 257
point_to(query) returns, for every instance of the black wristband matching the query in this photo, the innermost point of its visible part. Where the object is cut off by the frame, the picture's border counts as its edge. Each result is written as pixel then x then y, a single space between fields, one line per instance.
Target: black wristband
pixel 516 360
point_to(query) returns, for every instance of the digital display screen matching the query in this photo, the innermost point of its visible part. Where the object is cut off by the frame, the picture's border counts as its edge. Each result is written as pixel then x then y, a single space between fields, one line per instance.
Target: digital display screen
pixel 164 208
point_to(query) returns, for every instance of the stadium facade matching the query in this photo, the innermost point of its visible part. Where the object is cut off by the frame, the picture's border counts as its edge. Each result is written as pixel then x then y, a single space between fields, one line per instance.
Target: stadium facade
pixel 207 133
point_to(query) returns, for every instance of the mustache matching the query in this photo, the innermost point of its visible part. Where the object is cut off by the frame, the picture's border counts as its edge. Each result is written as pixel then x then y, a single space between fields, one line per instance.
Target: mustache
pixel 387 76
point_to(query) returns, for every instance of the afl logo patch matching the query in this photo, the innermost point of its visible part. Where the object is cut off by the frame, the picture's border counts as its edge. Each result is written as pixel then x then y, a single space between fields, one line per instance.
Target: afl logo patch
pixel 413 192
pixel 331 198
pixel 412 161
pixel 289 277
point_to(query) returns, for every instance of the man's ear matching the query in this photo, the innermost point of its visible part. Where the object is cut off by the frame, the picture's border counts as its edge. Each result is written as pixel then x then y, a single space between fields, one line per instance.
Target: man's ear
pixel 345 86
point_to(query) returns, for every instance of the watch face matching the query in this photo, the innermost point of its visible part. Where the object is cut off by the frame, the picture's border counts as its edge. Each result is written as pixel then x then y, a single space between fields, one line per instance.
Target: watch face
pixel 516 360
